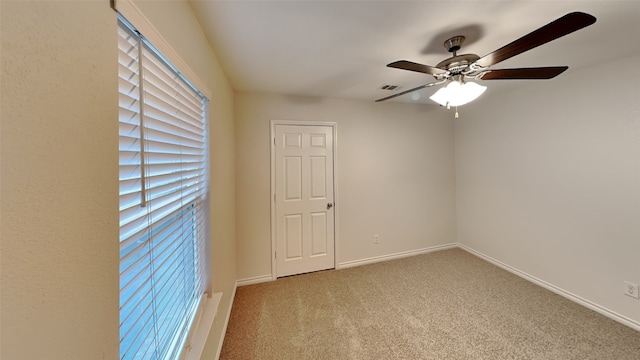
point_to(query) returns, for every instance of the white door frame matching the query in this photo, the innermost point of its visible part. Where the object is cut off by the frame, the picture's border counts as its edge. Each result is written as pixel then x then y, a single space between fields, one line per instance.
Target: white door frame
pixel 336 208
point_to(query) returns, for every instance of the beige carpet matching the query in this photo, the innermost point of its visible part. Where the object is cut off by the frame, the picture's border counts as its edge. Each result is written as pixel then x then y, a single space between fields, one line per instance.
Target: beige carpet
pixel 444 305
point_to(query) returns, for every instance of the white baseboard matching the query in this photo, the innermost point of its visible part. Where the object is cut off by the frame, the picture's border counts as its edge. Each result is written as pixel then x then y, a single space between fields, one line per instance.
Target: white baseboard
pixel 375 259
pixel 226 321
pixel 255 280
pixel 575 298
pixel 348 264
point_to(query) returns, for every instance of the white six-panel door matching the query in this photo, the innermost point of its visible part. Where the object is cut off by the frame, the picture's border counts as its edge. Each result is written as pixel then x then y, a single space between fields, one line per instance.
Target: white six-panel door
pixel 304 199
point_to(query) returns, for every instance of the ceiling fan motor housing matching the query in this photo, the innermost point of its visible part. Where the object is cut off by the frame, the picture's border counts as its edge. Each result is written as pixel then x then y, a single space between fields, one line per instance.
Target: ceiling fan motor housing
pixel 457 64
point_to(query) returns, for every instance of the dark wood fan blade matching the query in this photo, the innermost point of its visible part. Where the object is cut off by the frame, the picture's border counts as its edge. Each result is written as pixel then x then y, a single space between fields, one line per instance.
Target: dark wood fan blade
pixel 541 73
pixel 410 90
pixel 560 27
pixel 411 66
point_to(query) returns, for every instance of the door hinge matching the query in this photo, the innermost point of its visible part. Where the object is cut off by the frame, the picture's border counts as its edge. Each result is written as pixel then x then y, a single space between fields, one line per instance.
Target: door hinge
pixel 274 197
pixel 274 141
pixel 275 255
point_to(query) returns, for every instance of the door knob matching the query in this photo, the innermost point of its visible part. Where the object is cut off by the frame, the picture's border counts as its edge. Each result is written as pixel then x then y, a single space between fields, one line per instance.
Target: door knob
pixel 329 206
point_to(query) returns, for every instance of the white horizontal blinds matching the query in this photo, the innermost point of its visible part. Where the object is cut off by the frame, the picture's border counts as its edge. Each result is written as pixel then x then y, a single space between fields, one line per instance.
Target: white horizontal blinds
pixel 163 182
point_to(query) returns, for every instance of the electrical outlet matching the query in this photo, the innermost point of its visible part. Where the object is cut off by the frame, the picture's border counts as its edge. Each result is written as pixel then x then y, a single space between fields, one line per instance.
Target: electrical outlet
pixel 376 240
pixel 631 289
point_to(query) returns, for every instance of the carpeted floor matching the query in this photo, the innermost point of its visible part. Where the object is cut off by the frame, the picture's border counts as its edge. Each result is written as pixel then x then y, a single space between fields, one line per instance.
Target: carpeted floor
pixel 443 305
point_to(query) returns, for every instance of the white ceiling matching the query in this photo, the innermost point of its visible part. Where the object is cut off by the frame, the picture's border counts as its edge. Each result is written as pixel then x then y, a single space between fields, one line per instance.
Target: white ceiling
pixel 341 48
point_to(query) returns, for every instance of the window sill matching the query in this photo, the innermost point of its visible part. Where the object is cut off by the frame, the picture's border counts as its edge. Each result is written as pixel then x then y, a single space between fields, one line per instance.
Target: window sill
pixel 199 339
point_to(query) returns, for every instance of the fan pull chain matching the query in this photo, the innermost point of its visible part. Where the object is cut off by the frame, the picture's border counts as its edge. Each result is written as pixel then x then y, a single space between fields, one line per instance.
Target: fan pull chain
pixel 449 108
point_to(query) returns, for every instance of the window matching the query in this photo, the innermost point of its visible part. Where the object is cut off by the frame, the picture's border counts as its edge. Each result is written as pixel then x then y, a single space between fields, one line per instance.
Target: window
pixel 163 195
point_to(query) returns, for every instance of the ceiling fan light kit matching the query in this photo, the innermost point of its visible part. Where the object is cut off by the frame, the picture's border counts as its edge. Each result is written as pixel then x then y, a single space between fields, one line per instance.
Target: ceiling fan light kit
pixel 457 93
pixel 458 68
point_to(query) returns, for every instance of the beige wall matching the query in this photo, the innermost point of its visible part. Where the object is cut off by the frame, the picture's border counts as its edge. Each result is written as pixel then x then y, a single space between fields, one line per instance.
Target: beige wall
pixel 59 173
pixel 395 175
pixel 548 182
pixel 59 179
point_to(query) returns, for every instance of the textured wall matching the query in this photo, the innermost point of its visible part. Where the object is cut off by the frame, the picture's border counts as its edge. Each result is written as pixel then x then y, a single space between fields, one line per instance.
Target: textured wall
pixel 548 182
pixel 395 175
pixel 59 173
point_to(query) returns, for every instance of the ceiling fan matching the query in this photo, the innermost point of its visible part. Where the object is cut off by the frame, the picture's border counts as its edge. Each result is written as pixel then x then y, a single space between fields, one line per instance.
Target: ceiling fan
pixel 459 68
